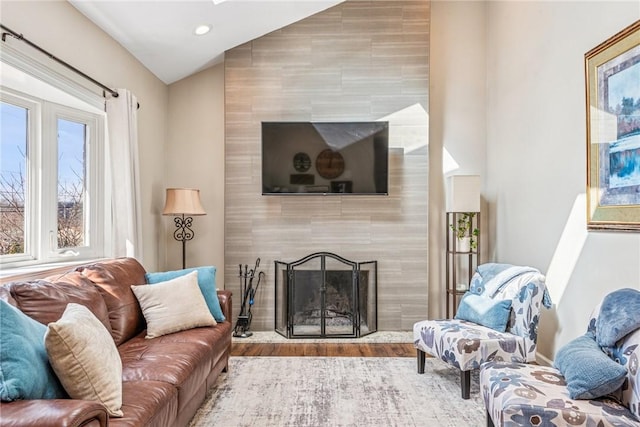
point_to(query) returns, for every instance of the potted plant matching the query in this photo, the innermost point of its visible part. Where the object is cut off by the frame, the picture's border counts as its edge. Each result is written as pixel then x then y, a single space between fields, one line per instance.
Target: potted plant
pixel 467 238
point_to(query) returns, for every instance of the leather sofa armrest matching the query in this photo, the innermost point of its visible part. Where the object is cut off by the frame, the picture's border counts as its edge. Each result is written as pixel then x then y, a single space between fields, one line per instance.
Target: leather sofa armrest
pixel 224 296
pixel 53 413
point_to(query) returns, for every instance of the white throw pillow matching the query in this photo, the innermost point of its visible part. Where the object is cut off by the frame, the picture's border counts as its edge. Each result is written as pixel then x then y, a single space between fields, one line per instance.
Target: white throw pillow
pixel 85 358
pixel 174 305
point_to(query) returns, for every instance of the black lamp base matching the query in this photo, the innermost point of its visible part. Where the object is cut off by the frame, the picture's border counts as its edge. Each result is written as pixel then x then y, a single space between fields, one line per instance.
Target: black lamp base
pixel 182 234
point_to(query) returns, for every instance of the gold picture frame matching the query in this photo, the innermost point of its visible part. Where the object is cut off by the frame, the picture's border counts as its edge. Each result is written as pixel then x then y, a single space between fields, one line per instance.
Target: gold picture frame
pixel 612 76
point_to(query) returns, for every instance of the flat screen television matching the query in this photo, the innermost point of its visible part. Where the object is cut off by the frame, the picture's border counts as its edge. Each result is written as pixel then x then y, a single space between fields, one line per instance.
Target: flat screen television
pixel 325 158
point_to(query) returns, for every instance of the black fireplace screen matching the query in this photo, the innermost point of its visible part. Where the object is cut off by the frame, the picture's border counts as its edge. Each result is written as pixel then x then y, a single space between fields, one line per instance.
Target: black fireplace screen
pixel 324 295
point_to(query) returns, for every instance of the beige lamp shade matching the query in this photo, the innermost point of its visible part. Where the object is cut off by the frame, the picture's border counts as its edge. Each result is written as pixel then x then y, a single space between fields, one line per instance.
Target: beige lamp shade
pixel 463 193
pixel 183 201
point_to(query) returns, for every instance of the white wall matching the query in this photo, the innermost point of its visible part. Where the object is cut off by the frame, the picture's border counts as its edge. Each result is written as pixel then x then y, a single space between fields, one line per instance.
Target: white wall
pixel 507 101
pixel 536 156
pixel 195 159
pixel 457 123
pixel 60 29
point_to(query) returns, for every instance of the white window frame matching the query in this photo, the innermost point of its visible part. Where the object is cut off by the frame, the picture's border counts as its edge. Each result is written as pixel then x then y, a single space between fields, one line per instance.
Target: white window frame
pixel 42 181
pixel 94 185
pixel 32 174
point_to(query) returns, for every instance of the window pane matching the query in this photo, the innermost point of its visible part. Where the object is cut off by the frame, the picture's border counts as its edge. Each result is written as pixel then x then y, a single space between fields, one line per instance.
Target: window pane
pixel 71 183
pixel 13 185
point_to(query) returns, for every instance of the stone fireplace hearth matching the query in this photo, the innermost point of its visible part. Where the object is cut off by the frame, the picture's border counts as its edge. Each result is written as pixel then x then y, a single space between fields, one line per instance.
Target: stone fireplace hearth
pixel 324 295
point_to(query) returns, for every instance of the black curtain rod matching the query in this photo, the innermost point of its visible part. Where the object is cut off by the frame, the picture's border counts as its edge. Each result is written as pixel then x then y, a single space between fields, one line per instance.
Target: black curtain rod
pixel 10 32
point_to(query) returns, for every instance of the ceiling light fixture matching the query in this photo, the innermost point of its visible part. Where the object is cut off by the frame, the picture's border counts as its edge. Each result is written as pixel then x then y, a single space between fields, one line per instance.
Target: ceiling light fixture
pixel 201 30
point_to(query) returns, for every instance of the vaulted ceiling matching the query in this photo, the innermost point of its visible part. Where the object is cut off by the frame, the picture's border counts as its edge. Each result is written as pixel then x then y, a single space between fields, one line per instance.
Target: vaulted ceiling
pixel 160 34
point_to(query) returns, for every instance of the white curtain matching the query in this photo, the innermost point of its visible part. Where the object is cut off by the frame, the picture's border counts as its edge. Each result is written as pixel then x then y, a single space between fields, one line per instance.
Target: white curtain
pixel 126 213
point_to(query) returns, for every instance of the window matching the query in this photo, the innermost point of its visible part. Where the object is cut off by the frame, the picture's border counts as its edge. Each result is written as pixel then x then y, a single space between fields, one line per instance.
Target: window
pixel 51 181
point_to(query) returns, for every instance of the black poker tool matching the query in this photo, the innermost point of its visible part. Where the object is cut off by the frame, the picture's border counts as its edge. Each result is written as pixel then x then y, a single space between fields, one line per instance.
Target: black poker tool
pixel 247 299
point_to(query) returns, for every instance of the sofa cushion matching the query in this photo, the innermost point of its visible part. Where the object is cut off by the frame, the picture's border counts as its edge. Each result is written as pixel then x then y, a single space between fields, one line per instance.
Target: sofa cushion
pixel 165 358
pixel 25 372
pixel 588 371
pixel 206 282
pixel 468 345
pixel 174 305
pixel 114 278
pixel 148 403
pixel 492 313
pixel 45 300
pixel 183 359
pixel 85 358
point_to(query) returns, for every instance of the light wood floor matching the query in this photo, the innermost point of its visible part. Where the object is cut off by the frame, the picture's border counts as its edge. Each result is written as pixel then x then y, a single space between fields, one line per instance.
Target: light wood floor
pixel 324 349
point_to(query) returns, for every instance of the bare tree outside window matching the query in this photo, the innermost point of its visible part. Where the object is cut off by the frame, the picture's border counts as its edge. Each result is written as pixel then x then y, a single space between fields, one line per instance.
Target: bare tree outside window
pixel 71 183
pixel 12 213
pixel 14 186
pixel 13 146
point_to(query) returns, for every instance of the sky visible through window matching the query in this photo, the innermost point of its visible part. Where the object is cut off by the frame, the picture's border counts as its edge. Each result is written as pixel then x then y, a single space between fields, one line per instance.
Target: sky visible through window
pixel 69 145
pixel 13 146
pixel 71 138
pixel 13 137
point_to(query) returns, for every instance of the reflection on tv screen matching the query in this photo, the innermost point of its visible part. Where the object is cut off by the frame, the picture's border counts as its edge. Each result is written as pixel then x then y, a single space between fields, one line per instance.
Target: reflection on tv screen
pixel 325 158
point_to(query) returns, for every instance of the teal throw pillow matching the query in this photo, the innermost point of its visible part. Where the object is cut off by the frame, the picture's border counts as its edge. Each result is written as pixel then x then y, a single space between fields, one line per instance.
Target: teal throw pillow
pixel 587 370
pixel 25 372
pixel 206 282
pixel 619 315
pixel 484 311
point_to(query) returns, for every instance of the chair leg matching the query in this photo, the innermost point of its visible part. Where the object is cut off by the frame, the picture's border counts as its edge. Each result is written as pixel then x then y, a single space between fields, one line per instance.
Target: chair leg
pixel 421 359
pixel 465 383
pixel 489 420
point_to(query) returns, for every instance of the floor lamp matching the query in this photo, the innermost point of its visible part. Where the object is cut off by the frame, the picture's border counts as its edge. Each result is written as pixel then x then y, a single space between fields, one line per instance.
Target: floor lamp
pixel 183 203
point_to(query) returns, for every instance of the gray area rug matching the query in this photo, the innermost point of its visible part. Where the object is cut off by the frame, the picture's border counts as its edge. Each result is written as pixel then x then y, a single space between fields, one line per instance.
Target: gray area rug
pixel 339 391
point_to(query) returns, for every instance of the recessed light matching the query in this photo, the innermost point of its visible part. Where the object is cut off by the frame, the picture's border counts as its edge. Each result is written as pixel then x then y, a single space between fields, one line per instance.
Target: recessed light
pixel 201 30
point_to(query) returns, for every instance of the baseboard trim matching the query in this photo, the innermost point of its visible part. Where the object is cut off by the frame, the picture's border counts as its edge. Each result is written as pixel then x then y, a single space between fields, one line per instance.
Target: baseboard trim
pixel 542 360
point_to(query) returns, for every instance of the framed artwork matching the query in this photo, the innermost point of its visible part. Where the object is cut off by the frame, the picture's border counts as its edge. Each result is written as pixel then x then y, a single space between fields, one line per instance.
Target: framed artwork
pixel 612 71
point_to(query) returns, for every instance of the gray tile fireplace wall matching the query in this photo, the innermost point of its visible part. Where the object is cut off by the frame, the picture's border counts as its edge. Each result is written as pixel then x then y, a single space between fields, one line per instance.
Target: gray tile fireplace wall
pixel 358 61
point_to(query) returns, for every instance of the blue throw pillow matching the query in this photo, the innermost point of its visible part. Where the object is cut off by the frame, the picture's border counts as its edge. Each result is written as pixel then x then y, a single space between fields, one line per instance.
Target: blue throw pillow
pixel 206 282
pixel 619 315
pixel 588 371
pixel 25 372
pixel 484 311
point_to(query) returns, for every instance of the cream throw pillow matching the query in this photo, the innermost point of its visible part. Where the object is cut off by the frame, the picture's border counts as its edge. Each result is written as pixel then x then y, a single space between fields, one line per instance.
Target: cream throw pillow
pixel 174 305
pixel 85 358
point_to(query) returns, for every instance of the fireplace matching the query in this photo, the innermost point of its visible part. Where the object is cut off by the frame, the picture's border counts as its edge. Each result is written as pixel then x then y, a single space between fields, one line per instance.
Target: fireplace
pixel 325 296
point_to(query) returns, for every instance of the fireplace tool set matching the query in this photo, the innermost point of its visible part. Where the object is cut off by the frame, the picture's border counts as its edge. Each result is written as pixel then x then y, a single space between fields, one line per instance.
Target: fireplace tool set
pixel 247 294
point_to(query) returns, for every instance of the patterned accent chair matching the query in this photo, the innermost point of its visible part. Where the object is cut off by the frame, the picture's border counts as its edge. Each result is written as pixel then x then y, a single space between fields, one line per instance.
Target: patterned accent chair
pixel 467 345
pixel 518 394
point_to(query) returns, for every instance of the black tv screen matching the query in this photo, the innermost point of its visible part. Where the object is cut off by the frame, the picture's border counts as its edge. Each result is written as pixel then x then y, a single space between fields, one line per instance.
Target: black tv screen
pixel 325 158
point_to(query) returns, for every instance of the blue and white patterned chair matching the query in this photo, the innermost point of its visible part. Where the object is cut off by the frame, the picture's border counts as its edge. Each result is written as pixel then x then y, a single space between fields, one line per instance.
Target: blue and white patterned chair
pixel 466 345
pixel 517 394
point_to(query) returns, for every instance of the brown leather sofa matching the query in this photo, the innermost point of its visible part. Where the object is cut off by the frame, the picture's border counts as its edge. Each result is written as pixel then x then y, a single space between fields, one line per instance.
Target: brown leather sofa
pixel 165 379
